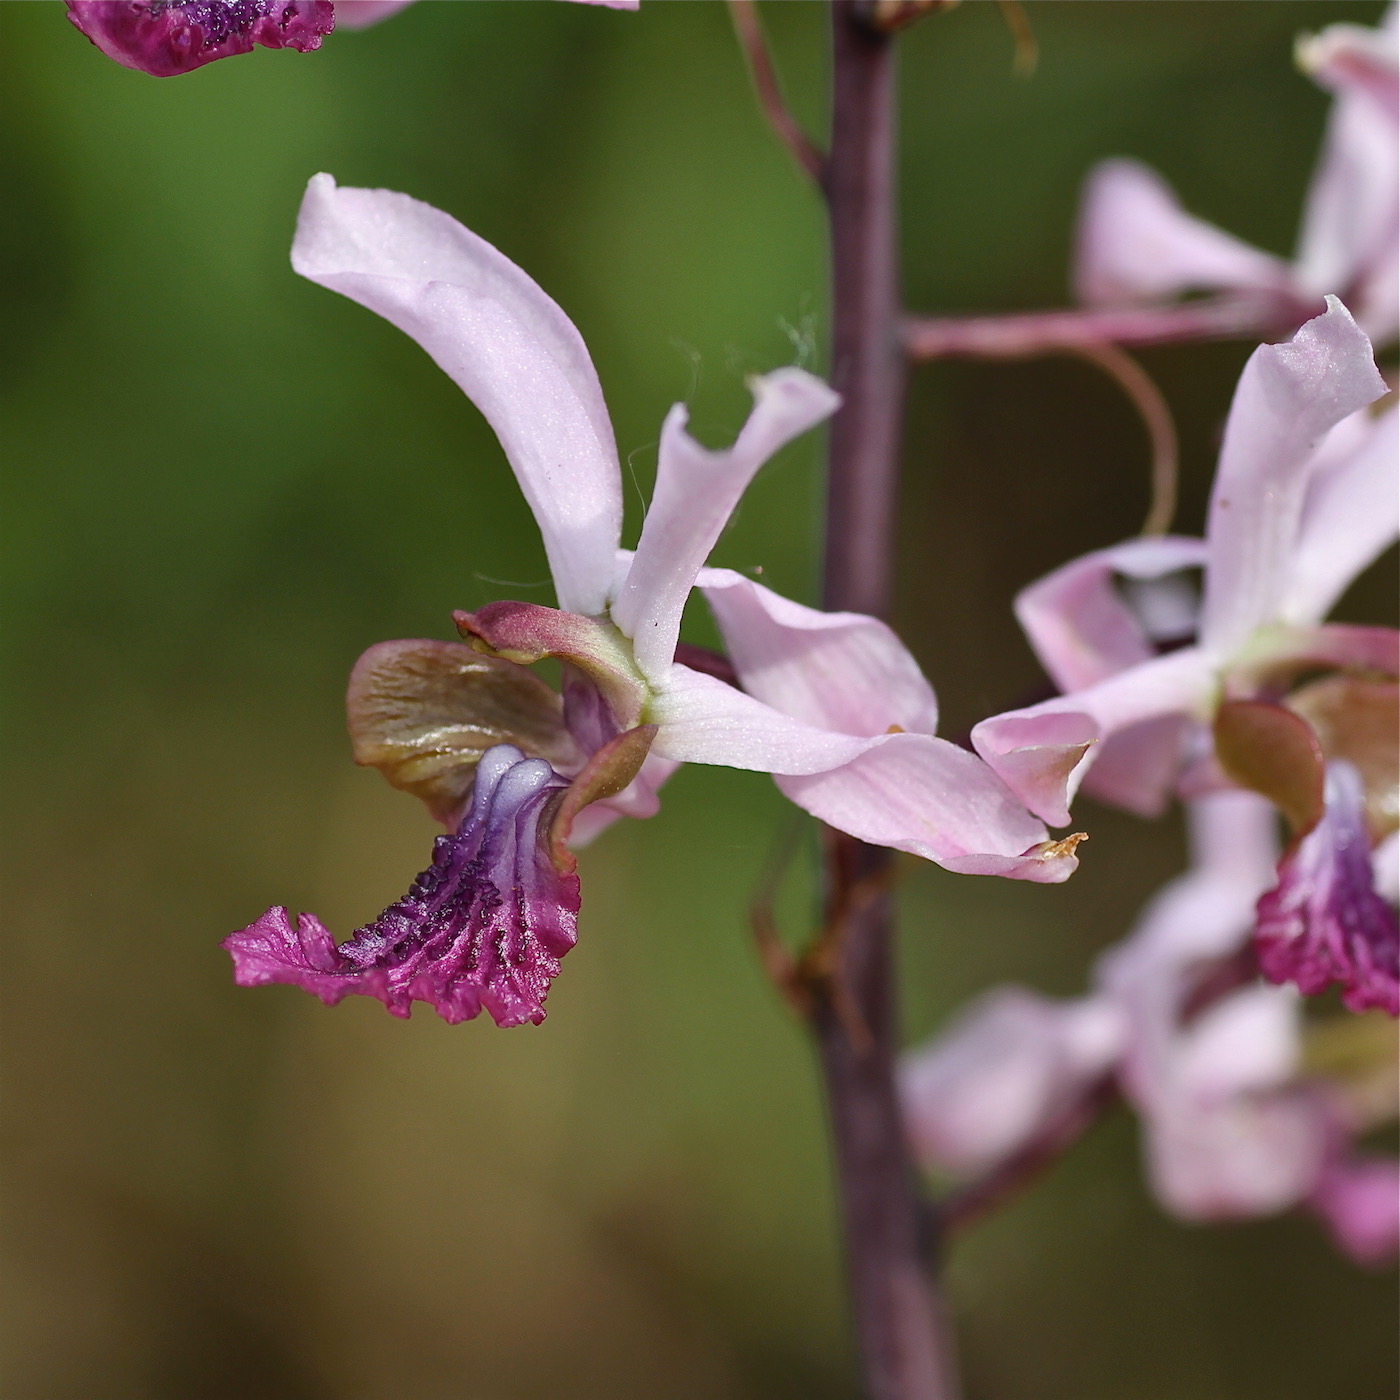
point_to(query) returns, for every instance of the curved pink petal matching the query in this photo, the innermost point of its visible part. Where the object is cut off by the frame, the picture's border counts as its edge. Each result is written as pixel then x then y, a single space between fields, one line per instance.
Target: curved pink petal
pixel 1288 398
pixel 1351 514
pixel 1359 1199
pixel 1080 625
pixel 1136 243
pixel 696 492
pixel 511 349
pixel 1138 767
pixel 842 671
pixel 1001 1073
pixel 1351 223
pixel 926 796
pixel 1044 751
pixel 702 720
pixel 356 14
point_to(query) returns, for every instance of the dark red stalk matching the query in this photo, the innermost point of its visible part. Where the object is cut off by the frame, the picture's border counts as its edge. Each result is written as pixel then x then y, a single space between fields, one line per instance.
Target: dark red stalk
pixel 898 1314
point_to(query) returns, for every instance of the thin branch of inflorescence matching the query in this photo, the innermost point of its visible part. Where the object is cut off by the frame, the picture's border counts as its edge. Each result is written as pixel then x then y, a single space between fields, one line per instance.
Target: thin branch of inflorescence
pixel 769 92
pixel 1022 334
pixel 970 1203
pixel 1156 416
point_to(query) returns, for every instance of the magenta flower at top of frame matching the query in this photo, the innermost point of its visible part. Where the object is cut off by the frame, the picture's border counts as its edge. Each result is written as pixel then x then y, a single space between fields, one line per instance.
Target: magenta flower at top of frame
pixel 168 37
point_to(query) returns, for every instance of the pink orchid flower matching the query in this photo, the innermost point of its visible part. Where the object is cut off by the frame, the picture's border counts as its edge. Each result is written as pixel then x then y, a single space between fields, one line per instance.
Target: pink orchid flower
pixel 1305 497
pixel 168 37
pixel 1137 245
pixel 1232 1127
pixel 837 707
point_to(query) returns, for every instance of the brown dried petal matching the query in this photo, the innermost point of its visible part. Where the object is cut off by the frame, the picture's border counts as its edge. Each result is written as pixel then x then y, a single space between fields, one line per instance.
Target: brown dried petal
pixel 1359 720
pixel 1272 751
pixel 423 712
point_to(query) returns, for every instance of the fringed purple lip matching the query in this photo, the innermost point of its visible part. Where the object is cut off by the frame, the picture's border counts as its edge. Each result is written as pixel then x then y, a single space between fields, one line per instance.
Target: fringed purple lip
pixel 484 926
pixel 165 37
pixel 1324 922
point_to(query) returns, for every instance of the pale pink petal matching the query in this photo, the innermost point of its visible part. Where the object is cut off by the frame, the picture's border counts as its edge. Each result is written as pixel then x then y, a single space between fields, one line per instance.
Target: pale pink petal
pixel 1288 398
pixel 1044 751
pixel 512 350
pixel 1001 1073
pixel 1138 767
pixel 928 797
pixel 1136 243
pixel 910 791
pixel 841 671
pixel 1351 514
pixel 1082 627
pixel 1249 1156
pixel 696 491
pixel 1351 222
pixel 703 720
pixel 356 14
pixel 1360 1201
pixel 612 4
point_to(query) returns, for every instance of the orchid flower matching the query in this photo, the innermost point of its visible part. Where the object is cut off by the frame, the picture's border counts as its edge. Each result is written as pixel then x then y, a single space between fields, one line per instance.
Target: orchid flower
pixel 1137 245
pixel 838 709
pixel 1304 499
pixel 1232 1124
pixel 168 37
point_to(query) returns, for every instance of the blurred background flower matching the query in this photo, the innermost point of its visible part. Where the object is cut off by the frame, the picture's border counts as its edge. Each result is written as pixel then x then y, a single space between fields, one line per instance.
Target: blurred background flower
pixel 221 485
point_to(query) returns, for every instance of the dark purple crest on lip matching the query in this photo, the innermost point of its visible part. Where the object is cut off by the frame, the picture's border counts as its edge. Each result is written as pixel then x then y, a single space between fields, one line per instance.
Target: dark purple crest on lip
pixel 484 926
pixel 1324 921
pixel 165 37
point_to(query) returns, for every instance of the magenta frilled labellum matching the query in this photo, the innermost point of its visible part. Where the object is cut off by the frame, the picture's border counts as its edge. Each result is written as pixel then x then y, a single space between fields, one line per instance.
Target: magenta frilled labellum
pixel 483 927
pixel 1325 922
pixel 164 38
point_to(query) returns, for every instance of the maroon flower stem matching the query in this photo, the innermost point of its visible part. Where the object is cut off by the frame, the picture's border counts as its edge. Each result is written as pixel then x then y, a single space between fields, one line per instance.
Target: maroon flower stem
pixel 898 1314
pixel 769 91
pixel 1009 1179
pixel 1029 333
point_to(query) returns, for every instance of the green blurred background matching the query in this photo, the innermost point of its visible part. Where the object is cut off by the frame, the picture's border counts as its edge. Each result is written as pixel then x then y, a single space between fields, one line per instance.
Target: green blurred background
pixel 221 483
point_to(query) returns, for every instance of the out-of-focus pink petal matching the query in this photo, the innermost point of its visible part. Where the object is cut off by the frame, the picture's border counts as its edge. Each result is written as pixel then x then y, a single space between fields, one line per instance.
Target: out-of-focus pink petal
pixel 1043 752
pixel 1080 625
pixel 1227 1134
pixel 613 4
pixel 1000 1075
pixel 1359 1199
pixel 926 796
pixel 1243 1157
pixel 356 14
pixel 1136 243
pixel 1351 514
pixel 1352 58
pixel 511 349
pixel 841 671
pixel 1137 768
pixel 1351 222
pixel 696 491
pixel 1288 397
